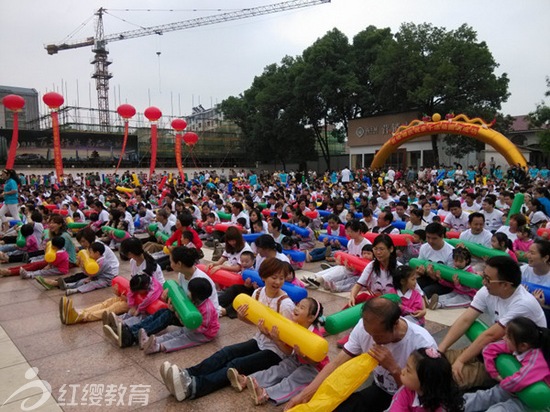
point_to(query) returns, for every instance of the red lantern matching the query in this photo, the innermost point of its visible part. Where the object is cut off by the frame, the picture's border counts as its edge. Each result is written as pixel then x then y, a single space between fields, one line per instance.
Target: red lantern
pixel 13 102
pixel 190 138
pixel 53 100
pixel 126 111
pixel 179 124
pixel 152 113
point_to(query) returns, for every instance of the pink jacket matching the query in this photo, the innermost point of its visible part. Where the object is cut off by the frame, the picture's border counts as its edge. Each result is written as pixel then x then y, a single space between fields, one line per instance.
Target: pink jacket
pixel 522 245
pixel 154 293
pixel 412 305
pixel 463 290
pixel 534 367
pixel 210 324
pixel 406 400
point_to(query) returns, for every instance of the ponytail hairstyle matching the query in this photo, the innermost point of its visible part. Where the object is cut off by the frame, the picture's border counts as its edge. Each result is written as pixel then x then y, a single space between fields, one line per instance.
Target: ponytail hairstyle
pixel 437 385
pixel 140 282
pixel 524 330
pixel 503 238
pixel 316 309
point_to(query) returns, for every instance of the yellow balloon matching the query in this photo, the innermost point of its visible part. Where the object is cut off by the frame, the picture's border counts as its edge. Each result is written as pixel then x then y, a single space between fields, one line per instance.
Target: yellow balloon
pixel 50 253
pixel 436 117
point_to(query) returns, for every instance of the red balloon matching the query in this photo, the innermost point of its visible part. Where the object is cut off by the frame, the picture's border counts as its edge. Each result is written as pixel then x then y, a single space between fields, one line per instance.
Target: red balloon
pixel 13 102
pixel 152 113
pixel 53 100
pixel 179 124
pixel 190 138
pixel 126 111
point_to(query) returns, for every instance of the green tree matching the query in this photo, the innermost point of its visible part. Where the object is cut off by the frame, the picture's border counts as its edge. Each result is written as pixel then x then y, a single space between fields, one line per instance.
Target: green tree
pixel 540 118
pixel 326 87
pixel 436 71
pixel 267 116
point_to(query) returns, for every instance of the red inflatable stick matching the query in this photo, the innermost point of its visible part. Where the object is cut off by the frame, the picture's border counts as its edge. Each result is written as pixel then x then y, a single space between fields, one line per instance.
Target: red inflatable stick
pixel 355 262
pixel 62 212
pixel 398 240
pixel 224 278
pixel 451 234
pixel 312 214
pixel 544 230
pixel 222 227
pixel 50 207
pixel 123 286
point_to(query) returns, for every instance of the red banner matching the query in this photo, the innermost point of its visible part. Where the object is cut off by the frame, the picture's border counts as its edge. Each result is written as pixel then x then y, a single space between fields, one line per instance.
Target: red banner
pixel 178 156
pixel 58 159
pixel 13 144
pixel 153 150
pixel 123 144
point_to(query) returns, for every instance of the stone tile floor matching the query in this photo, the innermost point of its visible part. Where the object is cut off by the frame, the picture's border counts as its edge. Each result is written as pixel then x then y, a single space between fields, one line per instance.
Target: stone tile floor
pixel 74 362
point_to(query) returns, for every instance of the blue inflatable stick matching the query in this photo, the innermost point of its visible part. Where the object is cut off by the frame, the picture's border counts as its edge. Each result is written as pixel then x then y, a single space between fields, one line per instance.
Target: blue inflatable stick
pixel 294 292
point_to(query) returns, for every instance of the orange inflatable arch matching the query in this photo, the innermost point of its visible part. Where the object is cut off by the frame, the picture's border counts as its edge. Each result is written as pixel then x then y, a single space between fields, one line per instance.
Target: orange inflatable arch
pixel 460 125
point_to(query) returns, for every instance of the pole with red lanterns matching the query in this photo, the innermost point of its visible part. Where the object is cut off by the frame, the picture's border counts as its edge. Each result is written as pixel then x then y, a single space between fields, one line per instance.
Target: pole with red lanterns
pixel 179 125
pixel 54 101
pixel 126 111
pixel 14 103
pixel 153 114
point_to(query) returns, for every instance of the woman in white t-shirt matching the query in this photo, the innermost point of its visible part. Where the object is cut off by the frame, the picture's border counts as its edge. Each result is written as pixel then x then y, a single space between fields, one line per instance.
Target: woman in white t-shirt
pixel 341 278
pixel 234 246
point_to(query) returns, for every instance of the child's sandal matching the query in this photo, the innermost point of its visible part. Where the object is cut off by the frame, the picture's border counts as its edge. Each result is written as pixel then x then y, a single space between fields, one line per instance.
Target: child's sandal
pixel 259 398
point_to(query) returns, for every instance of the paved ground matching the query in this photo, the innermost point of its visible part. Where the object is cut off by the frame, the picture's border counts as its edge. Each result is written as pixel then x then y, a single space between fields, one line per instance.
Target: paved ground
pixel 83 367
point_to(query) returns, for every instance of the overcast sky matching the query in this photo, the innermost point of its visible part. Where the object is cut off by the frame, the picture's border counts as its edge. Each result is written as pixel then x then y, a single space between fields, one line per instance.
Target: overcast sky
pixel 207 64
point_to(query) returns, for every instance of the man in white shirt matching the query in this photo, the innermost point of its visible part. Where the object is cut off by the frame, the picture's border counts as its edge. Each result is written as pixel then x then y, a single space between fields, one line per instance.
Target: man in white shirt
pixel 493 217
pixel 237 212
pixel 477 232
pixel 469 205
pixel 388 338
pixel 384 200
pixel 435 250
pixel 384 221
pixel 457 220
pixel 502 298
pixel 346 175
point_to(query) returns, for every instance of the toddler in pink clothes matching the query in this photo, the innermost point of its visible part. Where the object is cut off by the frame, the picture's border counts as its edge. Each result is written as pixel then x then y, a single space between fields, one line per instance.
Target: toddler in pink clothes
pixel 412 303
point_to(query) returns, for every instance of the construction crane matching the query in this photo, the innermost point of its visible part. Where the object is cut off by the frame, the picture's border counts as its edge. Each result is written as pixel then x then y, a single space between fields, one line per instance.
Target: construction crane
pixel 99 42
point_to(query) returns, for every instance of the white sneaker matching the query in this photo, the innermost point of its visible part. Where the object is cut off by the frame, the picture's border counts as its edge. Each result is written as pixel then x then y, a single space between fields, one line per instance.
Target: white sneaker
pixel 179 383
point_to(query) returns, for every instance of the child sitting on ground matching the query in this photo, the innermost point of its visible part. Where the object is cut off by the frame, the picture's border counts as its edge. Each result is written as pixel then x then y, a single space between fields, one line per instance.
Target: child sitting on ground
pixel 523 242
pixel 305 242
pixel 60 266
pixel 13 253
pixel 182 338
pixel 280 382
pixel 289 243
pixel 461 296
pixel 413 246
pixel 412 304
pixel 187 240
pixel 530 345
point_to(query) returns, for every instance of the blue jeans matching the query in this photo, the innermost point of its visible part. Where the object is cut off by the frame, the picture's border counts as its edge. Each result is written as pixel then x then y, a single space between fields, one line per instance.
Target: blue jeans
pixel 156 322
pixel 211 374
pixel 318 254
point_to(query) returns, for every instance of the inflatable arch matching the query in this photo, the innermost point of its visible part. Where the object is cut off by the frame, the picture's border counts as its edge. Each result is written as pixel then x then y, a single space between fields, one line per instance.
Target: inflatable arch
pixel 460 125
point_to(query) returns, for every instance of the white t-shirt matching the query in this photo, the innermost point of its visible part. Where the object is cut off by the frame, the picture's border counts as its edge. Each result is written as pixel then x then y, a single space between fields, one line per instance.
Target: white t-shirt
pixel 361 342
pixel 527 275
pixel 444 255
pixel 135 269
pixel 242 214
pixel 521 303
pixel 493 220
pixel 235 258
pixel 506 229
pixel 382 203
pixel 484 238
pixel 260 259
pixel 471 209
pixel 457 223
pixel 286 307
pixel 184 283
pixel 346 174
pixel 354 249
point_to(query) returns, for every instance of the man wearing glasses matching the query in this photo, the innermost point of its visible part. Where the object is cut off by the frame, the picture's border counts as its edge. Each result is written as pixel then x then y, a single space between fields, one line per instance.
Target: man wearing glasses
pixel 501 299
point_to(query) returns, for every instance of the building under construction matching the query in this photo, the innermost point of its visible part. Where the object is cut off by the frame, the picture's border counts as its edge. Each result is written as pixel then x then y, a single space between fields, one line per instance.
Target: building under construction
pixel 87 143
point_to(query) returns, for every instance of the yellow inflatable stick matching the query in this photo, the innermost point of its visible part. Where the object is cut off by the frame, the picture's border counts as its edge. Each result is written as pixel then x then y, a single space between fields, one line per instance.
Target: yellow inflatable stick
pixel 90 265
pixel 311 345
pixel 340 385
pixel 125 189
pixel 69 219
pixel 50 253
pixel 135 180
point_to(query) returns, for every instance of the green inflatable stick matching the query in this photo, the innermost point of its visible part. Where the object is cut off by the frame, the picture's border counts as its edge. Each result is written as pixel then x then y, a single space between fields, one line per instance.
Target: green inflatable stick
pixel 470 280
pixel 406 232
pixel 153 227
pixel 187 312
pixel 21 241
pixel 348 318
pixel 516 206
pixel 535 396
pixel 77 225
pixel 224 216
pixel 476 249
pixel 163 237
pixel 262 206
pixel 118 233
